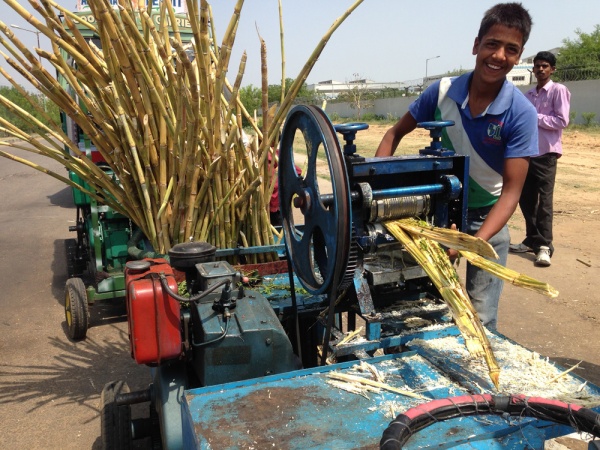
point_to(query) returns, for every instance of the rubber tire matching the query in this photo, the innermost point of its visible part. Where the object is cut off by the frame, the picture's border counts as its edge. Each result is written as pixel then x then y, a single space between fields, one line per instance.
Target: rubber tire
pixel 76 308
pixel 115 421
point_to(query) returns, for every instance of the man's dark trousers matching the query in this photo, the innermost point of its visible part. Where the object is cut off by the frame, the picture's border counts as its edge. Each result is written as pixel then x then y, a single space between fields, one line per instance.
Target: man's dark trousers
pixel 536 201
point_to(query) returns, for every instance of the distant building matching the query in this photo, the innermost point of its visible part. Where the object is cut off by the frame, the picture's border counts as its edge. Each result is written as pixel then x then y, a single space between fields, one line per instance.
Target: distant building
pixel 520 75
pixel 332 88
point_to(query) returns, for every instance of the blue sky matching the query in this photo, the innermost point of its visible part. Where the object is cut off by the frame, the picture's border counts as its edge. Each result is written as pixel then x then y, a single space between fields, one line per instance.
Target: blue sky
pixel 383 40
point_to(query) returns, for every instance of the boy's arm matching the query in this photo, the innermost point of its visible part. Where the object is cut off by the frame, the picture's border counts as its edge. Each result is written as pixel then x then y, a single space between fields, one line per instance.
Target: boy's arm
pixel 515 171
pixel 392 137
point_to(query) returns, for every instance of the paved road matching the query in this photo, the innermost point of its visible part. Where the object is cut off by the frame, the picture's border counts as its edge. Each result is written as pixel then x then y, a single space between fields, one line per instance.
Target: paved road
pixel 49 386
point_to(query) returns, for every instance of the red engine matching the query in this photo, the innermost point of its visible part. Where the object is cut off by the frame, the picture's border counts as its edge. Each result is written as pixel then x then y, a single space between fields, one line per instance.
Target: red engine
pixel 153 315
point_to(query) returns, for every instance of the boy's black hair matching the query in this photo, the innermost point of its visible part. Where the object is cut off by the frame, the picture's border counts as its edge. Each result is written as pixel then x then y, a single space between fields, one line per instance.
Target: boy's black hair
pixel 545 56
pixel 511 15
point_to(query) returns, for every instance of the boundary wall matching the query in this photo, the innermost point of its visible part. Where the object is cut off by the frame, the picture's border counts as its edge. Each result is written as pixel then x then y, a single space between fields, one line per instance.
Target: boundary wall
pixel 585 98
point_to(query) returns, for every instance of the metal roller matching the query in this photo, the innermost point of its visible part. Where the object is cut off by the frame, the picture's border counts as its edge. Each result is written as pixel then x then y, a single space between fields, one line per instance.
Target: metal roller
pixel 399 208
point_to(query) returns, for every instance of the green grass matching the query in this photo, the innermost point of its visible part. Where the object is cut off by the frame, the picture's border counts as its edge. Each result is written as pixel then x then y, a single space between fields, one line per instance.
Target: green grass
pixel 593 129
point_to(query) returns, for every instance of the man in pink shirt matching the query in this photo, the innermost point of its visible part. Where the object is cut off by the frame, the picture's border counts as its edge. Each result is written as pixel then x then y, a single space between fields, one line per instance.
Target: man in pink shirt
pixel 552 102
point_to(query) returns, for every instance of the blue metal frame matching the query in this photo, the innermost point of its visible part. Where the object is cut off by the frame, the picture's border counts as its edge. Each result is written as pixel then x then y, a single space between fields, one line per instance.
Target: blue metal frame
pixel 168 391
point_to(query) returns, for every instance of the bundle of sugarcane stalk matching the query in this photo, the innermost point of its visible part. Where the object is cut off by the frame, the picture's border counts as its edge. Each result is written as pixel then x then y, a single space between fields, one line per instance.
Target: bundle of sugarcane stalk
pixel 163 115
pixel 423 241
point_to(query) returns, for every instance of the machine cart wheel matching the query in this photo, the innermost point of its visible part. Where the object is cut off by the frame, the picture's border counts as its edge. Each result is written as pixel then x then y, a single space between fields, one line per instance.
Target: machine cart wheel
pixel 76 308
pixel 115 419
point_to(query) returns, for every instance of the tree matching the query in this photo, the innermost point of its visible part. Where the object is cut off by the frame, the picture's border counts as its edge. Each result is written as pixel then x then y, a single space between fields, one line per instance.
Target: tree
pixel 579 59
pixel 358 94
pixel 27 125
pixel 304 95
pixel 456 72
pixel 250 97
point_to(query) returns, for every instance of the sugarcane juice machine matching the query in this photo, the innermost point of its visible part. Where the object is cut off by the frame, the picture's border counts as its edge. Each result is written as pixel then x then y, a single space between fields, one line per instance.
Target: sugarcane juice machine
pixel 333 217
pixel 349 267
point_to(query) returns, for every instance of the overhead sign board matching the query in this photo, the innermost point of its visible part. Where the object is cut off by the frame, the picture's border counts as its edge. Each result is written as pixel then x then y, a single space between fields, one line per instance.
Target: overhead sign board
pixel 179 6
pixel 181 17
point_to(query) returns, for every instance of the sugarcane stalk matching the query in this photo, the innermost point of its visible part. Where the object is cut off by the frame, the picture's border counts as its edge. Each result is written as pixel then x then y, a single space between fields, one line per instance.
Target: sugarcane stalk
pixel 65 180
pixel 434 261
pixel 281 41
pixel 56 154
pixel 509 275
pixel 448 237
pixel 245 113
pixel 225 50
pixel 236 88
pixel 377 384
pixel 264 84
pixel 172 19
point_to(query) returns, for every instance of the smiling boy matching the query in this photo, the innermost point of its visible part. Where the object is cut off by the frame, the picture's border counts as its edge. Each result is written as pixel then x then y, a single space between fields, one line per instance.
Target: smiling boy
pixel 496 126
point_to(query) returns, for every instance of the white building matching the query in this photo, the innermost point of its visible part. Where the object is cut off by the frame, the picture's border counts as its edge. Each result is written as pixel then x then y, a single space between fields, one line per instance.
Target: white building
pixel 520 75
pixel 332 88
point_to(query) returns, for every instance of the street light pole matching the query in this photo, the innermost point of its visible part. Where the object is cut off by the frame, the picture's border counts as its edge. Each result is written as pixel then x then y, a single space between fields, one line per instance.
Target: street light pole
pixel 426 64
pixel 30 31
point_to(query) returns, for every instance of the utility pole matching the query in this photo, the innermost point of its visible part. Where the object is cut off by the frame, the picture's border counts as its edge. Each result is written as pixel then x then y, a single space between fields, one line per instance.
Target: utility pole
pixel 426 64
pixel 30 31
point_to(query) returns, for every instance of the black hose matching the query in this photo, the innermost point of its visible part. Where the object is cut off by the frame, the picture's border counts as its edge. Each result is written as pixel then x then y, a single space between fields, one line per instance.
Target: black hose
pixel 415 419
pixel 226 314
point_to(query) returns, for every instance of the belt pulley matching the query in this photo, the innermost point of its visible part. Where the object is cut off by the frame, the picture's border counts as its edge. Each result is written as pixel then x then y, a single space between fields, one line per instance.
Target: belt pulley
pixel 320 247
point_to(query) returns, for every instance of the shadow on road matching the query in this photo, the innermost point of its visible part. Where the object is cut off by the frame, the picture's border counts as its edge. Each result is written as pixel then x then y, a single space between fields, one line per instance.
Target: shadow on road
pixel 63 198
pixel 75 377
pixel 77 374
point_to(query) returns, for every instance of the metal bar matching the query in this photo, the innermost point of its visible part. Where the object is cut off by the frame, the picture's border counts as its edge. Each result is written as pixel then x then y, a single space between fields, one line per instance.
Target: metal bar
pixel 132 398
pixel 406 191
pixel 249 250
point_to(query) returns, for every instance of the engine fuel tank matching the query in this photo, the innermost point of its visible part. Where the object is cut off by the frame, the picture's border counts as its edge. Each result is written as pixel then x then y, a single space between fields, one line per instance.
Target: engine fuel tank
pixel 153 315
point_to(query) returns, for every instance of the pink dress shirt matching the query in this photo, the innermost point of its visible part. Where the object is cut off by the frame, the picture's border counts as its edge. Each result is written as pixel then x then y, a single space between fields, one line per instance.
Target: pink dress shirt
pixel 552 103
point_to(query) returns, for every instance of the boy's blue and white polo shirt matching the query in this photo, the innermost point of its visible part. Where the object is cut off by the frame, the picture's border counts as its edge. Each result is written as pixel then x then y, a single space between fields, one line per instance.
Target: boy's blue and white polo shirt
pixel 506 129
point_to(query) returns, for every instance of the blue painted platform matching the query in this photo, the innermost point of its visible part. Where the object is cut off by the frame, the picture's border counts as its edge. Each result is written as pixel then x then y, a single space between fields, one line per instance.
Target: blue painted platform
pixel 302 410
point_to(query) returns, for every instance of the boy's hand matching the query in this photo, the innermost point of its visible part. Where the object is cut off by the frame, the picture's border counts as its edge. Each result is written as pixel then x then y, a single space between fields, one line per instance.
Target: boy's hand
pixel 452 253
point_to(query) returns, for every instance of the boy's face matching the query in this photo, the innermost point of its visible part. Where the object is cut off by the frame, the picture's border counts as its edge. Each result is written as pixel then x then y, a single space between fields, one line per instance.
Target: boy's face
pixel 542 70
pixel 497 52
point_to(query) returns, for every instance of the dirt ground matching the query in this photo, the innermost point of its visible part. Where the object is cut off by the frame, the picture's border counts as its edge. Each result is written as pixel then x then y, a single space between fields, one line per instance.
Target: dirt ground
pixel 50 387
